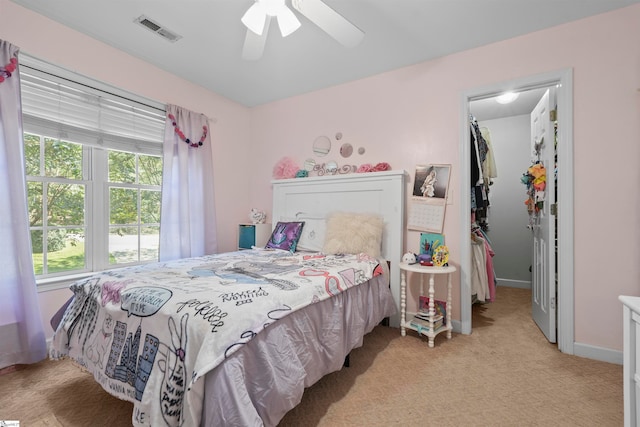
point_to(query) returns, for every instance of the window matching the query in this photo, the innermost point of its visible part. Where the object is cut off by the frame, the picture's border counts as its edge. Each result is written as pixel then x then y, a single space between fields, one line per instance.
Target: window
pixel 94 173
pixel 56 193
pixel 134 207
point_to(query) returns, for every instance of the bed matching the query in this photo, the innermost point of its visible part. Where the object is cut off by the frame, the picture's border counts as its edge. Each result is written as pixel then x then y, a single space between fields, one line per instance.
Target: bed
pixel 235 338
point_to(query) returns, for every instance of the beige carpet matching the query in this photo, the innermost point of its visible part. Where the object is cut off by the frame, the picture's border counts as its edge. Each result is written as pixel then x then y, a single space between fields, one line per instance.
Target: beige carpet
pixel 504 374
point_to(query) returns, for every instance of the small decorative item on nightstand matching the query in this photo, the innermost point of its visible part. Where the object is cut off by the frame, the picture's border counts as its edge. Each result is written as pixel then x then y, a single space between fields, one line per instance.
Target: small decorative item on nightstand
pixel 440 256
pixel 409 258
pixel 257 216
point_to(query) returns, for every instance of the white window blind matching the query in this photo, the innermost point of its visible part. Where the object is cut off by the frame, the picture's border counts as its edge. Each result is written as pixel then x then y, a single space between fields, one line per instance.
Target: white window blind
pixel 58 103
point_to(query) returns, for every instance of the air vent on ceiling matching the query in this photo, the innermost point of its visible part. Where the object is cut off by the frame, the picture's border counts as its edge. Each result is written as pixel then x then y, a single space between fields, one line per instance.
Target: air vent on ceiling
pixel 157 28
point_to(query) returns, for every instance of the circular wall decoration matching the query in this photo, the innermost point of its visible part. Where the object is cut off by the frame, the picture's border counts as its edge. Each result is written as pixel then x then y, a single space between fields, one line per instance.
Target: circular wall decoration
pixel 309 164
pixel 440 256
pixel 346 150
pixel 321 146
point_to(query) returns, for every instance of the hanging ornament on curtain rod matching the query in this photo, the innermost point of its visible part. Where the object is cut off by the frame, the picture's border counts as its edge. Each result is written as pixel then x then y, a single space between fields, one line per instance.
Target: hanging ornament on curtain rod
pixel 7 70
pixel 184 138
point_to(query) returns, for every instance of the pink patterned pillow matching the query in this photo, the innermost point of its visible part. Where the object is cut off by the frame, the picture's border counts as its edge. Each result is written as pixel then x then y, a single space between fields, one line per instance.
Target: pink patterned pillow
pixel 285 236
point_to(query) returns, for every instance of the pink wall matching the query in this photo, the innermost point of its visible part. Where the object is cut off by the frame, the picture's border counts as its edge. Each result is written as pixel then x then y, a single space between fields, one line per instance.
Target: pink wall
pixel 412 116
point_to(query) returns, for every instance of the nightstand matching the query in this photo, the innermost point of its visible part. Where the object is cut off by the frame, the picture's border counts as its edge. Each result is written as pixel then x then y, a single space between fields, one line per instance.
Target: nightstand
pixel 431 271
pixel 253 235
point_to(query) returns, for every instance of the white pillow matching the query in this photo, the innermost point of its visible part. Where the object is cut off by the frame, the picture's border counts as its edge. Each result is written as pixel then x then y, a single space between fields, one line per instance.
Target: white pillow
pixel 312 237
pixel 353 233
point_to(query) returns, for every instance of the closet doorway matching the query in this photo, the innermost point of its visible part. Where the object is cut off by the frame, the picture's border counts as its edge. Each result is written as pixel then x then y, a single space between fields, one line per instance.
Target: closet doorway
pixel 532 87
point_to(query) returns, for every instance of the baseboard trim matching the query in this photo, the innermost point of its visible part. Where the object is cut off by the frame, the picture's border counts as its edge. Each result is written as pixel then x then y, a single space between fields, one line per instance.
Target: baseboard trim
pixel 509 283
pixel 597 353
pixel 457 326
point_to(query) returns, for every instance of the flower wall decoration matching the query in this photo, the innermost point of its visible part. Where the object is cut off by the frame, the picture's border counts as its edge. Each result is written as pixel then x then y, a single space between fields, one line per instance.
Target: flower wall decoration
pixel 285 168
pixel 535 178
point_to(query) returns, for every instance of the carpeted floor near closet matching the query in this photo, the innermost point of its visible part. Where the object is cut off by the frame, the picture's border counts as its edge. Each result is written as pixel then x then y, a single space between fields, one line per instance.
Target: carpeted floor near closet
pixel 504 374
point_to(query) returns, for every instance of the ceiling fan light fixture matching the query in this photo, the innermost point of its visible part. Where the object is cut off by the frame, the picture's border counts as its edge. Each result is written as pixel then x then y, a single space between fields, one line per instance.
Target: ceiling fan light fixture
pixel 273 7
pixel 255 17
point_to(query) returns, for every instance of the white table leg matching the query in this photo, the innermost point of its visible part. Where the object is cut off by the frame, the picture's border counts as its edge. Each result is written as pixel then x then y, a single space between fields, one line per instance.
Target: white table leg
pixel 403 302
pixel 432 308
pixel 449 306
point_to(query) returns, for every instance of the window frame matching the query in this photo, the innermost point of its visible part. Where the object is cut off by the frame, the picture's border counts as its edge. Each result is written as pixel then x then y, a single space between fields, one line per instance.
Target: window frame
pixel 95 165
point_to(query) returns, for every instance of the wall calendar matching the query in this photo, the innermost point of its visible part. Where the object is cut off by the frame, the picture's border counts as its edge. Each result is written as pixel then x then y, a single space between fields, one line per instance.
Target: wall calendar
pixel 429 198
pixel 425 215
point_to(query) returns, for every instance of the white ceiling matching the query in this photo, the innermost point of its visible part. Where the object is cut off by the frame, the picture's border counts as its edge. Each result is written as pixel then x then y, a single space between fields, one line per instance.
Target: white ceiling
pixel 489 108
pixel 397 33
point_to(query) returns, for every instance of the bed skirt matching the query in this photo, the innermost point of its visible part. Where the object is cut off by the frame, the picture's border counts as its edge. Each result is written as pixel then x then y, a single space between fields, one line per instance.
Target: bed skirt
pixel 260 383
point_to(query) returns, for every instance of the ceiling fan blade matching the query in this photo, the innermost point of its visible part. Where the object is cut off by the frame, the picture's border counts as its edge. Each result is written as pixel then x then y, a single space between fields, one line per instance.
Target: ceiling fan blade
pixel 329 21
pixel 255 17
pixel 254 44
pixel 287 22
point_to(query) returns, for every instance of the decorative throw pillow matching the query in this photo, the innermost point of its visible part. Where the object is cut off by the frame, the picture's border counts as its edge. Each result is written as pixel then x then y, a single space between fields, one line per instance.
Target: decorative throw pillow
pixel 285 236
pixel 353 233
pixel 312 237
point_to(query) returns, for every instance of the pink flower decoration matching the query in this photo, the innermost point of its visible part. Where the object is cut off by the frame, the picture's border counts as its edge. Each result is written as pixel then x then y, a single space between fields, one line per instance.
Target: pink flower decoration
pixel 285 168
pixel 365 168
pixel 381 167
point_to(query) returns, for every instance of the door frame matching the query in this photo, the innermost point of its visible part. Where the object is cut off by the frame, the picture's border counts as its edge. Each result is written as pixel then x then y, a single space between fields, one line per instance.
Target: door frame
pixel 563 80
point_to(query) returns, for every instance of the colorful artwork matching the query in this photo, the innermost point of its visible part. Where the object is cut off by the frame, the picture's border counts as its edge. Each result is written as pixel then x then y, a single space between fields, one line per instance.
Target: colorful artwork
pixel 430 241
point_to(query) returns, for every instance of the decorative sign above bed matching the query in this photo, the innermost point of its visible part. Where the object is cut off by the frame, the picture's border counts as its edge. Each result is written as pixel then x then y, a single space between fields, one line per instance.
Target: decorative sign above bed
pixel 332 168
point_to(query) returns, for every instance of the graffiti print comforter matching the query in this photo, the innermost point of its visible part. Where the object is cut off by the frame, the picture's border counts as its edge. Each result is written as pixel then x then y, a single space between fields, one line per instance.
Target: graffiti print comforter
pixel 149 333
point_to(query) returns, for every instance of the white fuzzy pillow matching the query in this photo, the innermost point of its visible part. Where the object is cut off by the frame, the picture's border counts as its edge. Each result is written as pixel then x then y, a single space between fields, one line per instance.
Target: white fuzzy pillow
pixel 353 233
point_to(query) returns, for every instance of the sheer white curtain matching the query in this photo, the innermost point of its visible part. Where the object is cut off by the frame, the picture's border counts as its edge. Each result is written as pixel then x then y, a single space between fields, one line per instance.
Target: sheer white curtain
pixel 188 219
pixel 22 339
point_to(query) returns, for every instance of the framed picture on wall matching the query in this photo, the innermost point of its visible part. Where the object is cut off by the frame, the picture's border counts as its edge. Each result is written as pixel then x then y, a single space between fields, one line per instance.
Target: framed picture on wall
pixel 432 181
pixel 429 197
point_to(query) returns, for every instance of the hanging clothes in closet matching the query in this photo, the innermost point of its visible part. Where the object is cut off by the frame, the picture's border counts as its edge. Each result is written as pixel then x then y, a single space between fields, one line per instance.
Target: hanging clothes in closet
pixel 483 170
pixel 483 278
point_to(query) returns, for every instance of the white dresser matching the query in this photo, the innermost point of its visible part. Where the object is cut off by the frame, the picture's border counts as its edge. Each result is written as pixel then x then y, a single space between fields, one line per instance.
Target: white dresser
pixel 631 359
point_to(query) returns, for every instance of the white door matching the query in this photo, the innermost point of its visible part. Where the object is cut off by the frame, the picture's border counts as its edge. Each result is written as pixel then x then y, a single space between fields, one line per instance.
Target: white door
pixel 543 281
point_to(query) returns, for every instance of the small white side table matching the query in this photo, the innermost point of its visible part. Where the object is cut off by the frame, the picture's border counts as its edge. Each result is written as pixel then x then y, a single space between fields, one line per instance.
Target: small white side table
pixel 432 271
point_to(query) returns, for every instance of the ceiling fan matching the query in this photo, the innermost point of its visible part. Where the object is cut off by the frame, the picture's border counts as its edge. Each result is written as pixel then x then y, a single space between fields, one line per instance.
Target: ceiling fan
pixel 259 16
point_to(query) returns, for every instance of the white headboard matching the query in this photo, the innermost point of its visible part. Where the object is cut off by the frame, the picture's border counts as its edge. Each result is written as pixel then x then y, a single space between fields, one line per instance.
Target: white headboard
pixel 382 193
